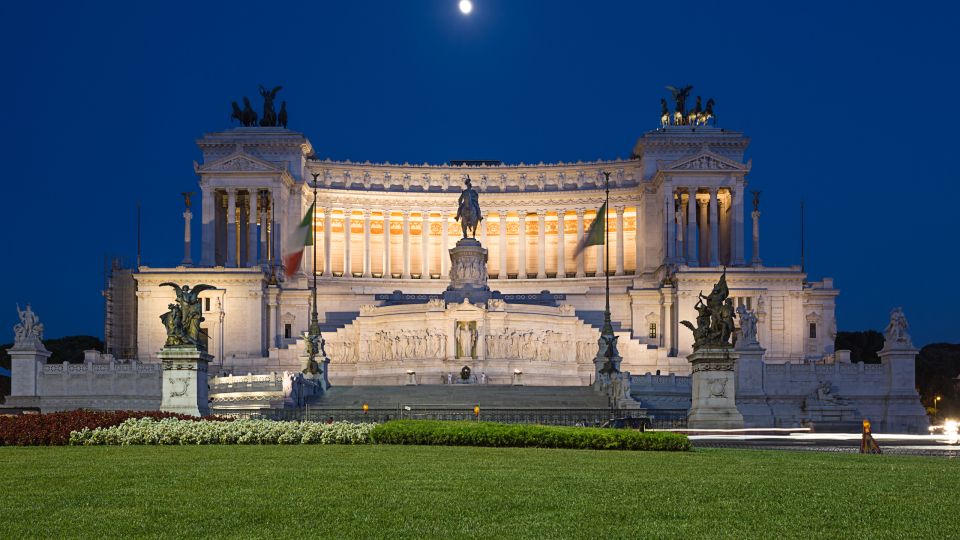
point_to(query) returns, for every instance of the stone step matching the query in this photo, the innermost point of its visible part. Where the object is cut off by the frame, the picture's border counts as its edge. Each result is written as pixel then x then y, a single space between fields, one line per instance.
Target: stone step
pixel 461 396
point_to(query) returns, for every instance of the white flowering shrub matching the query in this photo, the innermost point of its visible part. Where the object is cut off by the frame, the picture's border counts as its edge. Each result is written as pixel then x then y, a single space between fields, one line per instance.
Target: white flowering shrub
pixel 189 432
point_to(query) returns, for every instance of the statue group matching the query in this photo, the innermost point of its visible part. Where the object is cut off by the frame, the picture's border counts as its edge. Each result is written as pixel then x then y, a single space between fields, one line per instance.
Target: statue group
pixel 700 115
pixel 715 314
pixel 271 118
pixel 28 333
pixel 183 319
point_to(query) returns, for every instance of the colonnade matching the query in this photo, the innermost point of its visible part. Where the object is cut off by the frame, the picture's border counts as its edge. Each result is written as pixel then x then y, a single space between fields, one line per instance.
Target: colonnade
pixel 413 244
pixel 243 223
pixel 705 226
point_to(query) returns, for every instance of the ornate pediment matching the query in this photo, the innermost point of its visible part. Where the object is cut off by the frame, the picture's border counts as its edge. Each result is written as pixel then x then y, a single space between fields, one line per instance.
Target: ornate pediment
pixel 706 160
pixel 239 162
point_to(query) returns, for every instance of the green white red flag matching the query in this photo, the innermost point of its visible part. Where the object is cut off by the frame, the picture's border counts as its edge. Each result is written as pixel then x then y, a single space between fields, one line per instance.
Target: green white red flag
pixel 299 238
pixel 596 235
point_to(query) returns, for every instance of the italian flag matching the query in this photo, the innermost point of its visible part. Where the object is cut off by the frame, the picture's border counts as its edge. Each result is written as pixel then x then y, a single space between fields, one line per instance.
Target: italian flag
pixel 299 238
pixel 596 235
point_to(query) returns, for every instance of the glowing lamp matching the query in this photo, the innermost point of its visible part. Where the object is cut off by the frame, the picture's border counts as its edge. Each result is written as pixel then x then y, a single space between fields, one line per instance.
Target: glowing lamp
pixel 365 408
pixel 476 410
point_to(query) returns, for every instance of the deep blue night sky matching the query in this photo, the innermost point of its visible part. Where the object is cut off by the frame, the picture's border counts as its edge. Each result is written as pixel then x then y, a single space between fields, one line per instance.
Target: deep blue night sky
pixel 851 107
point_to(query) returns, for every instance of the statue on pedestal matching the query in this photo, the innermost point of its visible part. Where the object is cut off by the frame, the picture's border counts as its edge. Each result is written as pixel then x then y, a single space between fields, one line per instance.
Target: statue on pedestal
pixel 183 319
pixel 468 211
pixel 28 333
pixel 896 333
pixel 748 328
pixel 714 317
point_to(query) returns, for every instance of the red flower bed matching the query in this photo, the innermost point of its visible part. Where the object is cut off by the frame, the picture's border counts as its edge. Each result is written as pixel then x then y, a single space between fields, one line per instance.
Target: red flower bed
pixel 55 428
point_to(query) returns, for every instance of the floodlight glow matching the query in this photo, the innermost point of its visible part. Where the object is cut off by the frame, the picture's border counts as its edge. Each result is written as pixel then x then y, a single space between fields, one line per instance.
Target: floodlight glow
pixel 466 6
pixel 951 428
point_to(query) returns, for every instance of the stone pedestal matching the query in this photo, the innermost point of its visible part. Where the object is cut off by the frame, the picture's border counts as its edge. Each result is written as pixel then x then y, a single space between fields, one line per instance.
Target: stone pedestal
pixel 26 364
pixel 750 395
pixel 468 273
pixel 713 401
pixel 904 412
pixel 185 388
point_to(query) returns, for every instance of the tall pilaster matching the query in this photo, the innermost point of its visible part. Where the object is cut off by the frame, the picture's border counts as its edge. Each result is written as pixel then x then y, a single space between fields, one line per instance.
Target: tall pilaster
pixel 580 271
pixel 424 244
pixel 541 244
pixel 406 245
pixel 444 245
pixel 187 217
pixel 366 243
pixel 724 242
pixel 347 269
pixel 231 194
pixel 522 246
pixel 692 257
pixel 327 243
pixel 561 255
pixel 619 271
pixel 208 227
pixel 484 237
pixel 386 245
pixel 503 245
pixel 276 226
pixel 756 239
pixel 714 229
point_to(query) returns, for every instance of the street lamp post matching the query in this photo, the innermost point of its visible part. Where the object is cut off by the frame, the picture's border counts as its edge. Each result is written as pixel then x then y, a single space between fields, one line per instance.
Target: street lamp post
pixel 935 400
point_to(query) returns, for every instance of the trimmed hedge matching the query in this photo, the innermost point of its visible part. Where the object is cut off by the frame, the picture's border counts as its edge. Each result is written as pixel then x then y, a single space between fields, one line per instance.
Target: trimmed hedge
pixel 466 433
pixel 54 428
pixel 174 431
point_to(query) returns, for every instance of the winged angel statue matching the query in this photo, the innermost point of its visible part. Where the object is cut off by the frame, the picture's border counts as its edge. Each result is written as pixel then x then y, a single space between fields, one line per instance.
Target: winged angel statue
pixel 183 319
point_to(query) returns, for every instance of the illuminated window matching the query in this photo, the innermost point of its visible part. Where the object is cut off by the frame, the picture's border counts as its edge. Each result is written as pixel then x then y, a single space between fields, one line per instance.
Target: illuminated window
pixel 653 330
pixel 813 330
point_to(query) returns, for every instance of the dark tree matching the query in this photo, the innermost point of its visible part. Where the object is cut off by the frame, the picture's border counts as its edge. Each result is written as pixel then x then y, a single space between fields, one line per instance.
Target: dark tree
pixel 863 346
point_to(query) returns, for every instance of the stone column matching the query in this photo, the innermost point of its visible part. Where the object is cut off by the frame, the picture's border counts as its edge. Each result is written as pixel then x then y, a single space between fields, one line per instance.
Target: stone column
pixel 639 244
pixel 327 243
pixel 714 229
pixel 580 271
pixel 251 228
pixel 231 194
pixel 425 244
pixel 503 245
pixel 561 255
pixel 366 244
pixel 277 227
pixel 703 249
pixel 386 244
pixel 692 257
pixel 406 245
pixel 346 244
pixel 738 226
pixel 755 261
pixel 541 244
pixel 484 238
pixel 444 246
pixel 208 220
pixel 669 211
pixel 264 198
pixel 619 211
pixel 724 238
pixel 522 246
pixel 187 217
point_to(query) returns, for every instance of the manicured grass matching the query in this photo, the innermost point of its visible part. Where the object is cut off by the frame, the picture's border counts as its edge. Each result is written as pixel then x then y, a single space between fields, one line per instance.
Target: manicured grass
pixel 443 492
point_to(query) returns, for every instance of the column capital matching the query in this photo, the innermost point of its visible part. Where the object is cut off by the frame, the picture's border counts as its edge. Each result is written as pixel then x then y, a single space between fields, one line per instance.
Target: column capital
pixel 619 209
pixel 366 213
pixel 541 213
pixel 405 213
pixel 522 215
pixel 713 190
pixel 580 212
pixel 701 202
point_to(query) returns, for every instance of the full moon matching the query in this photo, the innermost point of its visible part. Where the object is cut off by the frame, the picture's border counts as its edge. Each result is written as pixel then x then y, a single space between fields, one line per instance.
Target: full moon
pixel 466 6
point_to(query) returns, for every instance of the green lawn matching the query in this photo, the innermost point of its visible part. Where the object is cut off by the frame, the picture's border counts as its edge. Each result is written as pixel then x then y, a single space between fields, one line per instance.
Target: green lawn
pixel 442 492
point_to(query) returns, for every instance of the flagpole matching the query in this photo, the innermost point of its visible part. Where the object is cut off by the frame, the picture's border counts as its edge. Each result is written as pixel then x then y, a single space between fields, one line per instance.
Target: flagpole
pixel 314 317
pixel 607 326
